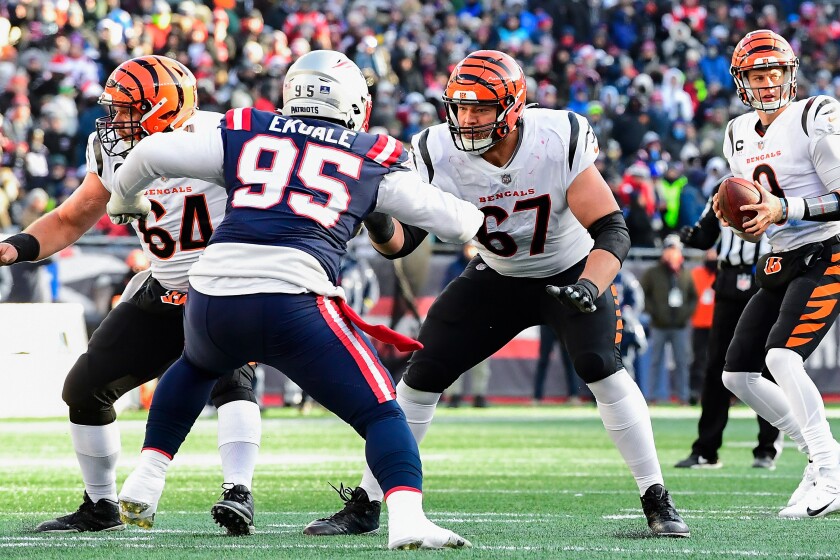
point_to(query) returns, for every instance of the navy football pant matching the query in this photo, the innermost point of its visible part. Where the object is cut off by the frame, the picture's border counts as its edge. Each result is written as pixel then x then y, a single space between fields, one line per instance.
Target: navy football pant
pixel 307 338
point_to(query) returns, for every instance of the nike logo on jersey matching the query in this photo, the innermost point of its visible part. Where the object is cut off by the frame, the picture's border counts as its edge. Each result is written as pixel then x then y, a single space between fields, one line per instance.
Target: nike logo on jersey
pixel 816 512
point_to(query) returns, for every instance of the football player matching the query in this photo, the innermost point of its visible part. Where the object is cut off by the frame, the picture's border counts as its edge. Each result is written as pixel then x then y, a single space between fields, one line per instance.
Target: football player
pixel 299 185
pixel 144 333
pixel 551 244
pixel 791 150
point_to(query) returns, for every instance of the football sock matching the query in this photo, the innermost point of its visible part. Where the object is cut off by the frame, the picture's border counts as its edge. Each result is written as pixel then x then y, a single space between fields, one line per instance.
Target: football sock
pixel 240 428
pixel 97 450
pixel 391 452
pixel 145 483
pixel 806 404
pixel 179 399
pixel 768 400
pixel 405 513
pixel 419 408
pixel 625 415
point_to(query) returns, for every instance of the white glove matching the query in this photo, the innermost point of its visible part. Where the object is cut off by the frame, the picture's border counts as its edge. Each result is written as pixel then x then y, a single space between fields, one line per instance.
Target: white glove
pixel 126 210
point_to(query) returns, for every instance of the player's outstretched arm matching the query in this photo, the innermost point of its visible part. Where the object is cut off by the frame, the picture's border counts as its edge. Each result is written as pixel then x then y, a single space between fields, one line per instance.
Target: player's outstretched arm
pixel 60 228
pixel 406 197
pixel 171 154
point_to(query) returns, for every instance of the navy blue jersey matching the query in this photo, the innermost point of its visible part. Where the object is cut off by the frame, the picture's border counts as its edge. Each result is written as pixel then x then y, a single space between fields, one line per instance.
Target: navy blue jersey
pixel 300 183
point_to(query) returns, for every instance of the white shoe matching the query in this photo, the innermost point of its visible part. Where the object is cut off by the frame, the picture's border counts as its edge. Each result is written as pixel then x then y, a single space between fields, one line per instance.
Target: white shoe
pixel 825 497
pixel 139 497
pixel 809 478
pixel 428 536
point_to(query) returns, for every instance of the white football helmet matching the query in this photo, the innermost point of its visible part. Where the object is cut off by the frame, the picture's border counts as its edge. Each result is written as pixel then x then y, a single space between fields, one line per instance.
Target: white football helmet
pixel 327 84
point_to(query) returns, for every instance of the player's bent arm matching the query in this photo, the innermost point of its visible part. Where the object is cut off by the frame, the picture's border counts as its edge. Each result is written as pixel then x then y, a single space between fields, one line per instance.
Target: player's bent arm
pixel 171 154
pixel 825 208
pixel 593 204
pixel 64 225
pixel 406 197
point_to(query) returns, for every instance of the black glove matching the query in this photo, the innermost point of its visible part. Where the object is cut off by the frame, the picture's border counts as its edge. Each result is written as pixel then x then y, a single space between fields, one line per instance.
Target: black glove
pixel 380 227
pixel 580 296
pixel 688 235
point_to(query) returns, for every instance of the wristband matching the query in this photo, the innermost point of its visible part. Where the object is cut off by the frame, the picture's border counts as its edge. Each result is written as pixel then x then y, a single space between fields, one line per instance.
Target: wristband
pixel 27 246
pixel 796 207
pixel 784 210
pixel 380 227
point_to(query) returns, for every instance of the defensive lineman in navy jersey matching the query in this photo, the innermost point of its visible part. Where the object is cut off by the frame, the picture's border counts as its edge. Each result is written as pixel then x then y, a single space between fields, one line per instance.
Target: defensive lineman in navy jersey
pixel 552 232
pixel 266 290
pixel 144 334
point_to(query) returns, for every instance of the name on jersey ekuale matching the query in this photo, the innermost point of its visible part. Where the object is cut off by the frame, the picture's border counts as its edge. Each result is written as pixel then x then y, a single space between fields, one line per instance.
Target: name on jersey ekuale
pixel 285 125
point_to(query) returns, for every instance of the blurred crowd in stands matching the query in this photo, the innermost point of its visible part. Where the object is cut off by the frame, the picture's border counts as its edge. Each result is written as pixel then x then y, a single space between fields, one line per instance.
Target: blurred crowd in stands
pixel 651 76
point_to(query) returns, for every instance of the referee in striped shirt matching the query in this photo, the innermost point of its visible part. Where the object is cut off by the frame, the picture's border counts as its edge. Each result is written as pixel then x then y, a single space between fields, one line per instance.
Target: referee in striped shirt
pixel 734 285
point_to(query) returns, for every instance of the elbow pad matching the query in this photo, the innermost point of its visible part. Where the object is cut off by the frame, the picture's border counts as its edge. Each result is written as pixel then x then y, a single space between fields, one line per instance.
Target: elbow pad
pixel 610 234
pixel 413 236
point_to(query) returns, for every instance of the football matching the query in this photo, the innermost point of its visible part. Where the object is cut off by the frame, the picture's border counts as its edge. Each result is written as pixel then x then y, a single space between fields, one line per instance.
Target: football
pixel 736 192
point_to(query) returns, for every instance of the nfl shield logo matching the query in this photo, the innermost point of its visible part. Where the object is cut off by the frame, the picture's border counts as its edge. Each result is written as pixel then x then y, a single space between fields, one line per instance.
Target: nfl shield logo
pixel 744 282
pixel 325 89
pixel 506 179
pixel 761 144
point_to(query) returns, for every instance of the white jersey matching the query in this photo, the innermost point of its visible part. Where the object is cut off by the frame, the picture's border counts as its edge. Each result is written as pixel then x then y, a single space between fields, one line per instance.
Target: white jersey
pixel 782 160
pixel 529 230
pixel 185 212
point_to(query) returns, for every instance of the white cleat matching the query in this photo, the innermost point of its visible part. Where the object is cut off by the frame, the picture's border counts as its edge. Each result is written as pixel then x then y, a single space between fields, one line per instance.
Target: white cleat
pixel 139 497
pixel 809 478
pixel 820 500
pixel 427 536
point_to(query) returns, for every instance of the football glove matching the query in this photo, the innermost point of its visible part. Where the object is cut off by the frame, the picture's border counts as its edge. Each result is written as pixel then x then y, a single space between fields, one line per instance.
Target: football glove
pixel 580 296
pixel 126 210
pixel 688 235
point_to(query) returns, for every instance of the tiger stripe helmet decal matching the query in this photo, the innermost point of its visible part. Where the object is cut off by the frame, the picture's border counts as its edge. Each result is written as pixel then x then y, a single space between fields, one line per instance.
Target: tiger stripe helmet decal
pixel 759 50
pixel 485 77
pixel 160 89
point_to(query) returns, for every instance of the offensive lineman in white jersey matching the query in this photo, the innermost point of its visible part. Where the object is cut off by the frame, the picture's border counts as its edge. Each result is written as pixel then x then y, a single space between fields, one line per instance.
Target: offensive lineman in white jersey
pixel 531 172
pixel 144 333
pixel 791 150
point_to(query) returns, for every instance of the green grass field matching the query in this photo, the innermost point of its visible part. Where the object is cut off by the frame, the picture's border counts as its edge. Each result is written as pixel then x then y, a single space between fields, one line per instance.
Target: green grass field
pixel 518 482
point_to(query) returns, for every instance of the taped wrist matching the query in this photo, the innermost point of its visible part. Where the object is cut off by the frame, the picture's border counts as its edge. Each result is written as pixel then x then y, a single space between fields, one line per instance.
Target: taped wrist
pixel 590 286
pixel 380 227
pixel 27 246
pixel 610 234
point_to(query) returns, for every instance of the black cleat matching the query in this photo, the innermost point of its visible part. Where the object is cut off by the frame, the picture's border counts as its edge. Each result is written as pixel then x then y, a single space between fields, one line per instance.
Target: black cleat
pixel 235 510
pixel 103 515
pixel 662 516
pixel 360 516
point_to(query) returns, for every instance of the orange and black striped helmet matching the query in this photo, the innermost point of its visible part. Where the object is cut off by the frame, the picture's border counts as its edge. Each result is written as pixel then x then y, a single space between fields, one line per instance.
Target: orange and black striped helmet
pixel 161 90
pixel 485 78
pixel 760 50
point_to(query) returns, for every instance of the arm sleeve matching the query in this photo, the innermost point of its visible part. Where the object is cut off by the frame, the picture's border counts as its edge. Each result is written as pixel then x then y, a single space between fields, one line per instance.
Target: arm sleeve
pixel 171 154
pixel 404 195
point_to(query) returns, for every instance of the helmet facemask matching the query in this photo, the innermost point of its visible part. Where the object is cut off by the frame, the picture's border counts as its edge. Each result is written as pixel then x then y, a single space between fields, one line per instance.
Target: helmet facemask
pixel 478 139
pixel 118 137
pixel 752 95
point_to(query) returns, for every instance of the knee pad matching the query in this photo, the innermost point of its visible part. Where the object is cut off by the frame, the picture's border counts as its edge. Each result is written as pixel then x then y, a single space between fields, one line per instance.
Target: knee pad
pixel 429 377
pixel 88 405
pixel 737 381
pixel 389 410
pixel 782 359
pixel 595 366
pixel 235 386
